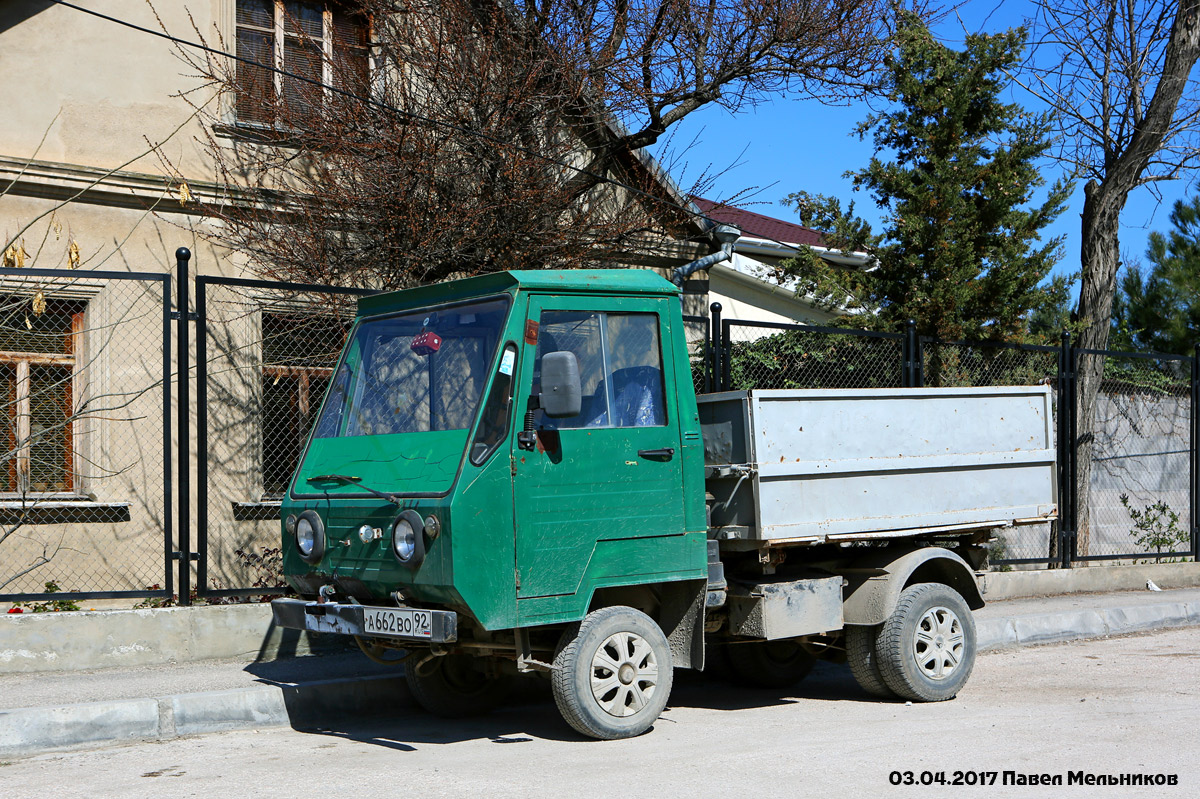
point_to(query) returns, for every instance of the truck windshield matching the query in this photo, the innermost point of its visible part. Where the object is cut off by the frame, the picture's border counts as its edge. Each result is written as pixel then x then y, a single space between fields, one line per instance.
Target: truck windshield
pixel 414 372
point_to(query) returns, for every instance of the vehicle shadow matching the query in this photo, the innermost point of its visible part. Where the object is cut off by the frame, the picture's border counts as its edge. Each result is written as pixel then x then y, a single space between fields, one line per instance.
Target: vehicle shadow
pixel 720 690
pixel 528 717
pixel 399 724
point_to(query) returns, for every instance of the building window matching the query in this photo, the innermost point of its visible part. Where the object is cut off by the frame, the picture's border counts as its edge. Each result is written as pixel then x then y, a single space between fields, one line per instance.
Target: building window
pixel 323 42
pixel 299 353
pixel 40 343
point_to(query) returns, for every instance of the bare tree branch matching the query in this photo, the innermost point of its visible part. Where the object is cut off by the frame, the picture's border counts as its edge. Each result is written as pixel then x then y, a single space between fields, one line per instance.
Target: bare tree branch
pixel 521 149
pixel 1119 74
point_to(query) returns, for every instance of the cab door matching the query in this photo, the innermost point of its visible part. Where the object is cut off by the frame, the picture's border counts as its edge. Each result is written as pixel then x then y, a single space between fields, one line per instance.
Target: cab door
pixel 596 482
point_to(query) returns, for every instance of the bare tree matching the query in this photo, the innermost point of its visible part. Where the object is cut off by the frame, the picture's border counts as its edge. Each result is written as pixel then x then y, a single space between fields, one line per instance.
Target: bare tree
pixel 1119 75
pixel 489 133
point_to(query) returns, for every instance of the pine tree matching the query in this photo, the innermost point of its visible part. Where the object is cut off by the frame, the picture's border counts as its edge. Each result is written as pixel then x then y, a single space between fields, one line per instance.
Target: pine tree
pixel 954 170
pixel 1160 310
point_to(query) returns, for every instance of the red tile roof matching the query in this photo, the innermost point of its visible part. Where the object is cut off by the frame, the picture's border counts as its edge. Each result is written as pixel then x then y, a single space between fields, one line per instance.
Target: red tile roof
pixel 759 225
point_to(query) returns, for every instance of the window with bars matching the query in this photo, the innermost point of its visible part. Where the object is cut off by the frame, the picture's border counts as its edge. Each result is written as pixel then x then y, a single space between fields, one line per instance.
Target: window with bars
pixel 324 42
pixel 298 356
pixel 40 345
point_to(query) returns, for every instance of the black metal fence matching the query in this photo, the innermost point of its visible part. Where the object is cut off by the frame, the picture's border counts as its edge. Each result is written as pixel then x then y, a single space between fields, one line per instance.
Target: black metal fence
pixel 134 469
pixel 265 351
pixel 1139 450
pixel 86 502
pixel 115 489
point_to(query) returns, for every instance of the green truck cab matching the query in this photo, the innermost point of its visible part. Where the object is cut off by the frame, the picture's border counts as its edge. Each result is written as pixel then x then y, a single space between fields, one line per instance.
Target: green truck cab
pixel 509 474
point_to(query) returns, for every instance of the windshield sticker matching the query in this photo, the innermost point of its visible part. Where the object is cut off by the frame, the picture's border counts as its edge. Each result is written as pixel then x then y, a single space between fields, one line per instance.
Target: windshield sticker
pixel 507 362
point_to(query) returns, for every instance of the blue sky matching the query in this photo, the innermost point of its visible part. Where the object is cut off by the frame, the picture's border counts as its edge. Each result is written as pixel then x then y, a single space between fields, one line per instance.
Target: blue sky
pixel 790 145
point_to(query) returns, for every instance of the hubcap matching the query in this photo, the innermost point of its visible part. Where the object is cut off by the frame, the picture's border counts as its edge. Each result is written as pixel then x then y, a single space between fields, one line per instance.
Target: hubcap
pixel 624 674
pixel 938 644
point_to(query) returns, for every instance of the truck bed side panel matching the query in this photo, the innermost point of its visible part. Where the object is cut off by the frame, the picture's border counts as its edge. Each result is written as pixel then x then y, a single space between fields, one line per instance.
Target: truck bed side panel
pixel 852 461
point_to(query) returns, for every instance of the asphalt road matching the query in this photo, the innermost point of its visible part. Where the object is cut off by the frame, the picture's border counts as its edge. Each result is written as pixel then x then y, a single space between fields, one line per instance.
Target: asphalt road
pixel 1101 707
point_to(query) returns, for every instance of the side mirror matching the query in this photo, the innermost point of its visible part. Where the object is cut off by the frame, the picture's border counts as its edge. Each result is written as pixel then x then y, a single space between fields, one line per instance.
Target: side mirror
pixel 562 394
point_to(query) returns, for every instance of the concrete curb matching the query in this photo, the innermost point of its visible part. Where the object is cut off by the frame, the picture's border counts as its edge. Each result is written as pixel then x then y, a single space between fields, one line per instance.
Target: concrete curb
pixel 30 731
pixel 1093 579
pixel 1050 628
pixel 100 639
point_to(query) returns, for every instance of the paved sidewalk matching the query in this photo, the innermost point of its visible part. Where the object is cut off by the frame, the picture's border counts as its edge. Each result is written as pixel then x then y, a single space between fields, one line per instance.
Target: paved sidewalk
pixel 47 711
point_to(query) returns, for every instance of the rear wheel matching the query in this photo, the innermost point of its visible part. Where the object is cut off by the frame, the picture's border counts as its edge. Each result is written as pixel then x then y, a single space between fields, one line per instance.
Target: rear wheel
pixel 863 660
pixel 771 664
pixel 454 686
pixel 926 647
pixel 612 674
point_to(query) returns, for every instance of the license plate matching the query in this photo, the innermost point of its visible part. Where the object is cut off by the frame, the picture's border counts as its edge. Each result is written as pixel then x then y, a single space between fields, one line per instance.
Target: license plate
pixel 398 621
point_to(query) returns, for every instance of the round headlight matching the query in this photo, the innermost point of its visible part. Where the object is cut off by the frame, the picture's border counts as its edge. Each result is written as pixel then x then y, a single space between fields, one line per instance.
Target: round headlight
pixel 404 540
pixel 306 537
pixel 310 536
pixel 408 539
pixel 290 523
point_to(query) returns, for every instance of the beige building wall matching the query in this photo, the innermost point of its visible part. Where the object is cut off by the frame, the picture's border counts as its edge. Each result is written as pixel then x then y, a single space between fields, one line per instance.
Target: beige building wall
pixel 97 136
pixel 95 144
pixel 82 91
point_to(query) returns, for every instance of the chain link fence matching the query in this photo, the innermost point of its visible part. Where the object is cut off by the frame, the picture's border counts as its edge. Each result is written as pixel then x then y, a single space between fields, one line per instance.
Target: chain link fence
pixel 1139 498
pixel 770 355
pixel 956 364
pixel 85 510
pixel 698 332
pixel 267 353
pixel 85 362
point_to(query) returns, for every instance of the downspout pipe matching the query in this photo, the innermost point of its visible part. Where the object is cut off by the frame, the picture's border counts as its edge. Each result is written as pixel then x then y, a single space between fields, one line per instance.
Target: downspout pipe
pixel 727 235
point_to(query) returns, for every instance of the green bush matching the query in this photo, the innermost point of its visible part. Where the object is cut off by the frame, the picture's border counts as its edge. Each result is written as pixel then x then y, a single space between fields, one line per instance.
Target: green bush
pixel 1156 527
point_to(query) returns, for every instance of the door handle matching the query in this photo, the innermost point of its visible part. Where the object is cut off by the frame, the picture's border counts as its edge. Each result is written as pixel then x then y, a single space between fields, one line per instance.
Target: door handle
pixel 664 453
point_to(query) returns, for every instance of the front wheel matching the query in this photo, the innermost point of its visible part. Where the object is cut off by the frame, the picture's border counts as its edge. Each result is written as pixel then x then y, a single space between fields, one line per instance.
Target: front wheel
pixel 926 648
pixel 612 674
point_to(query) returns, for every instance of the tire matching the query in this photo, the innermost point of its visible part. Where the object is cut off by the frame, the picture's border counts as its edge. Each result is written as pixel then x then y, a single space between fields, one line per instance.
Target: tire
pixel 612 674
pixel 926 648
pixel 454 686
pixel 864 662
pixel 771 664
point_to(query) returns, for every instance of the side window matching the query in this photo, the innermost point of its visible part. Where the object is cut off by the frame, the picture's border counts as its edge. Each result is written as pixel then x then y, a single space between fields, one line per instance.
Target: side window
pixel 581 333
pixel 636 375
pixel 496 411
pixel 620 366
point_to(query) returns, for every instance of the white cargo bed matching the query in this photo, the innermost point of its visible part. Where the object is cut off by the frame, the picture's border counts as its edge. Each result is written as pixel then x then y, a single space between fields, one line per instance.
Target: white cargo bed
pixel 845 464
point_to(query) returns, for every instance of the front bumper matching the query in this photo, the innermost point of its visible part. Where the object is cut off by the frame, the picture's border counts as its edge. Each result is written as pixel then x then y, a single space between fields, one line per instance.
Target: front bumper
pixel 427 626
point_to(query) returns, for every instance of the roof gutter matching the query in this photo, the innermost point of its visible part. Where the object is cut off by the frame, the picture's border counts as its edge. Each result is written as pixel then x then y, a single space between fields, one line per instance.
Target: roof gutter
pixel 754 246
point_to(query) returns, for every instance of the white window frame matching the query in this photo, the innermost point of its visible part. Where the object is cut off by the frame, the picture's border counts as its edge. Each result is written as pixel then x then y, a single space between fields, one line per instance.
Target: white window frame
pixel 279 47
pixel 21 362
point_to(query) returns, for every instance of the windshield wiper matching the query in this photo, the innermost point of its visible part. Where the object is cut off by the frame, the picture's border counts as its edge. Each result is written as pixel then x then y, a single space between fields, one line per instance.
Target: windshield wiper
pixel 356 481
